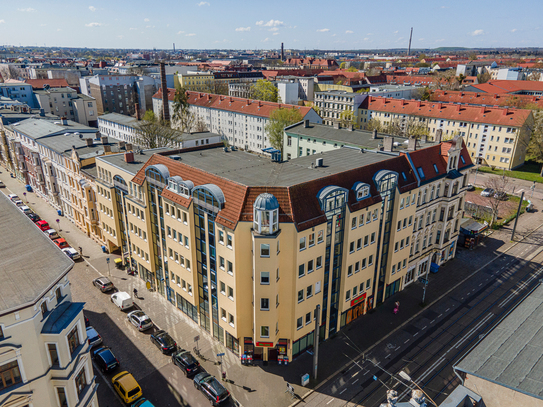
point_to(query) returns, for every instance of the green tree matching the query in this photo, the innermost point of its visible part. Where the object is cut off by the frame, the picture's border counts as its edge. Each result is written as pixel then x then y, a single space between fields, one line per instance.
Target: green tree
pixel 472 56
pixel 535 146
pixel 422 57
pixel 394 128
pixel 347 118
pixel 154 132
pixel 279 119
pixel 483 77
pixel 183 118
pixel 415 128
pixel 342 65
pixel 352 69
pixel 374 124
pixel 265 90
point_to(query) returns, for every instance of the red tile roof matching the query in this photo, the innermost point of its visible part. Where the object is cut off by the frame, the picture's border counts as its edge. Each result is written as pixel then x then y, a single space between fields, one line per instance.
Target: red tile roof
pixel 234 104
pixel 53 83
pixel 503 86
pixel 491 99
pixel 411 79
pixel 448 111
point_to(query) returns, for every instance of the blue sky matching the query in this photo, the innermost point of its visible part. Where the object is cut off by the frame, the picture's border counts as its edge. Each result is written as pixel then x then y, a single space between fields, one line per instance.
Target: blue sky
pixel 301 24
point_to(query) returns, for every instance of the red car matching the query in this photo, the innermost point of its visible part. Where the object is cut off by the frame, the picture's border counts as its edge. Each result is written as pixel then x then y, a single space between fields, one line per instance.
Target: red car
pixel 61 243
pixel 43 225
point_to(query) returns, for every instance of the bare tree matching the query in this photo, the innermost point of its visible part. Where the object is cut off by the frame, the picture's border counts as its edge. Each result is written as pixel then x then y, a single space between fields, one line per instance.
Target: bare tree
pixel 374 124
pixel 497 196
pixel 415 128
pixel 153 132
pixel 183 118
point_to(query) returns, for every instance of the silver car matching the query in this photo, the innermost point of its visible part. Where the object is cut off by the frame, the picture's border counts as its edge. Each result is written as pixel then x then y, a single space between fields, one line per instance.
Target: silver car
pixel 140 320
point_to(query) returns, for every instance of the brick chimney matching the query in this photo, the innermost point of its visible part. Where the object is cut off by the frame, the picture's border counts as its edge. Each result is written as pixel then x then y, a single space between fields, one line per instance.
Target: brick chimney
pixel 104 140
pixel 423 138
pixel 89 142
pixel 164 87
pixel 107 149
pixel 336 125
pixel 128 147
pixel 483 109
pixel 374 134
pixel 137 107
pixel 388 144
pixel 505 112
pixel 412 144
pixel 306 124
pixel 439 135
pixel 129 156
pixel 418 103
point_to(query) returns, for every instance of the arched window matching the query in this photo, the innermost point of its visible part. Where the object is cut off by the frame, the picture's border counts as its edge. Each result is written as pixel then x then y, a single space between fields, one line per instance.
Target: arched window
pixel 157 174
pixel 362 190
pixel 209 196
pixel 332 199
pixel 266 214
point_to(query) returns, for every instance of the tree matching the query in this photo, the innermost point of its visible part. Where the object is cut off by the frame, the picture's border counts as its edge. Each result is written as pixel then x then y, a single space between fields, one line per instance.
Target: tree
pixel 460 79
pixel 497 184
pixel 153 132
pixel 394 128
pixel 446 80
pixel 183 118
pixel 265 90
pixel 535 146
pixel 346 118
pixel 374 124
pixel 422 57
pixel 415 128
pixel 472 56
pixel 534 76
pixel 352 69
pixel 483 77
pixel 279 119
pixel 342 65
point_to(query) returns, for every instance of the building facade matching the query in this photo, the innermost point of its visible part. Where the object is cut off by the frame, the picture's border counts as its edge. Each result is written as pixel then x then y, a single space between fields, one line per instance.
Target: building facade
pixel 66 102
pixel 44 354
pixel 242 122
pixel 344 243
pixel 333 103
pixel 19 91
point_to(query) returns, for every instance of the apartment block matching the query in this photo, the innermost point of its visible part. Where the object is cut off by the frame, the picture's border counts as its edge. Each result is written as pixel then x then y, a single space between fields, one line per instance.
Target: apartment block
pixel 208 81
pixel 494 136
pixel 240 121
pixel 44 354
pixel 247 247
pixel 66 102
pixel 334 102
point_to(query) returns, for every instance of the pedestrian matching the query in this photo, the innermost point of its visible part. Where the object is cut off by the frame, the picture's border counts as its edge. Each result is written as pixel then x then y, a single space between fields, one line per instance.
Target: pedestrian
pixel 80 250
pixel 397 307
pixel 135 293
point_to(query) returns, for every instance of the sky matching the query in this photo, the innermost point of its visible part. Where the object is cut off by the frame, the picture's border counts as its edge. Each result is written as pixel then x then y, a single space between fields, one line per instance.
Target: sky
pixel 299 24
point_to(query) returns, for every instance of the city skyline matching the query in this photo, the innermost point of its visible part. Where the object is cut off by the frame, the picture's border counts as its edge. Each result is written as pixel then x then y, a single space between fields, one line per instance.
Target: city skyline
pixel 300 25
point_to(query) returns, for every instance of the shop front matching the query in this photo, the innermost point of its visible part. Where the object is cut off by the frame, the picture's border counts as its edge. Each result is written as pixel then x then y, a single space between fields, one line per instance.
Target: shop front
pixel 357 309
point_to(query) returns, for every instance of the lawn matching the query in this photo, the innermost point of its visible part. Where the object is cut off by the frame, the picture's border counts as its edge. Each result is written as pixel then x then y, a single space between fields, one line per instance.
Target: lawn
pixel 529 171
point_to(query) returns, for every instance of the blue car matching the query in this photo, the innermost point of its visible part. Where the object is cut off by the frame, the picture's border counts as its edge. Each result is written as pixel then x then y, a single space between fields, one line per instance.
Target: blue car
pixel 143 403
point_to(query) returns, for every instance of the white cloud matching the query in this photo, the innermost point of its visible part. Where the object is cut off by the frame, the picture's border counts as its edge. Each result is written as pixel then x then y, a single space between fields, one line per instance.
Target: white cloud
pixel 92 8
pixel 271 23
pixel 149 26
pixel 274 29
pixel 190 35
pixel 146 20
pixel 477 32
pixel 93 24
pixel 180 32
pixel 27 10
pixel 396 32
pixel 133 29
pixel 366 39
pixel 323 30
pixel 2 21
pixel 421 39
pixel 243 29
pixel 265 39
pixel 58 29
pixel 120 36
pixel 513 30
pixel 440 40
pixel 275 33
pixel 43 25
pixel 333 35
pixel 203 3
pixel 349 32
pixel 444 7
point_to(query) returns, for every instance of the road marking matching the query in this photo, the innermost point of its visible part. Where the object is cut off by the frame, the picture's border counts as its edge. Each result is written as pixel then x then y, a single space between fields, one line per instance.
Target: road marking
pixel 398 347
pixel 439 315
pixel 447 310
pixel 416 334
pixel 480 284
pixel 342 391
pixel 406 341
pixel 432 321
pixel 423 328
pixel 356 381
pixel 330 401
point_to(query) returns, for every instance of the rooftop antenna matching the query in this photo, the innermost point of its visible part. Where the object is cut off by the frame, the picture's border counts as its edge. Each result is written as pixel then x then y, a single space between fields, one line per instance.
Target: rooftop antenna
pixel 410 37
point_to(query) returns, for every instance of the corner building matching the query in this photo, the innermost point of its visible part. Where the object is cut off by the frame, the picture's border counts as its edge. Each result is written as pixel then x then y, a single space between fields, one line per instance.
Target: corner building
pixel 248 247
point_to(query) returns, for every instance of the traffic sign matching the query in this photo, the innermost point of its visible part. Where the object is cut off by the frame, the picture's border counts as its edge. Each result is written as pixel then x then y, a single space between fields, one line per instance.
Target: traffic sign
pixel 221 354
pixel 196 338
pixel 107 260
pixel 423 280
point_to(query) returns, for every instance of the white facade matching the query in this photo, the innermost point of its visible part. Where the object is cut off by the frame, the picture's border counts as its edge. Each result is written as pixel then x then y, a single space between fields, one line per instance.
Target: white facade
pixel 66 102
pixel 118 126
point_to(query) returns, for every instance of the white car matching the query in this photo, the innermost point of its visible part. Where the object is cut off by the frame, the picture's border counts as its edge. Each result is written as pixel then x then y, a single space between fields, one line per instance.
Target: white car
pixel 140 320
pixel 122 300
pixel 13 197
pixel 487 192
pixel 71 253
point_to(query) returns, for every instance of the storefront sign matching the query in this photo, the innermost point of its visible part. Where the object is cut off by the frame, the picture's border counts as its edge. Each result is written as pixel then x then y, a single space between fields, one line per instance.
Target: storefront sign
pixel 358 300
pixel 265 344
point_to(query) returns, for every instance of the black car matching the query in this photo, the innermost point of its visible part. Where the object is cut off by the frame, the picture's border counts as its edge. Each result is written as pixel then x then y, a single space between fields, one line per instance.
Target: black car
pixel 164 341
pixel 186 362
pixel 33 217
pixel 105 359
pixel 211 388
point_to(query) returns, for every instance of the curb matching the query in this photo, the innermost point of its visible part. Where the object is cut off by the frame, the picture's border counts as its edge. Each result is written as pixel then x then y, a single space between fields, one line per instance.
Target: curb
pixel 352 362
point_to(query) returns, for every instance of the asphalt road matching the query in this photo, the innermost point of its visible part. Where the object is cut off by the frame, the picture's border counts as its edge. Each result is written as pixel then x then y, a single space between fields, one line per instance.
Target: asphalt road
pixel 428 347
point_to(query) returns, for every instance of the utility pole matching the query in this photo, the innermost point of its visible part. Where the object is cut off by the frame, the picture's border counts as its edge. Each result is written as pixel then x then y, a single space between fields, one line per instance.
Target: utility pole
pixel 518 214
pixel 316 342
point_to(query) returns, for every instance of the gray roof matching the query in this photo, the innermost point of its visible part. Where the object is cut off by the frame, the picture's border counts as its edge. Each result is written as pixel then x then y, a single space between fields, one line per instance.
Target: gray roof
pixel 40 127
pixel 354 138
pixel 140 158
pixel 54 90
pixel 119 118
pixel 512 353
pixel 30 263
pixel 253 170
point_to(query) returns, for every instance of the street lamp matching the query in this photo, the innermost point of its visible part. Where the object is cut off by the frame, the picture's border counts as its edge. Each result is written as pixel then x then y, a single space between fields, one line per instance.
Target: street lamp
pixel 407 378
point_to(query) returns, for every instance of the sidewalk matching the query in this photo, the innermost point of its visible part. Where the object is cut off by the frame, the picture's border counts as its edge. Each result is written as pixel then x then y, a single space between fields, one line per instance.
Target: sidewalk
pixel 254 384
pixel 515 186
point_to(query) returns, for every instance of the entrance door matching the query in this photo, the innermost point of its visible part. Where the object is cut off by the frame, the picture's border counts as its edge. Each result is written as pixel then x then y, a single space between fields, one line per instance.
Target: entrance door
pixel 258 353
pixel 272 354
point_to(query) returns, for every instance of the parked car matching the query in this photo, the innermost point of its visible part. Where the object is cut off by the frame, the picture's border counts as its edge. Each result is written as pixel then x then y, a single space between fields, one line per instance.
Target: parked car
pixel 470 187
pixel 43 225
pixel 211 388
pixel 26 210
pixel 143 403
pixel 72 253
pixel 104 284
pixel 127 387
pixel 19 203
pixel 13 197
pixel 2 185
pixel 93 337
pixel 186 362
pixel 163 341
pixel 487 192
pixel 61 243
pixel 501 195
pixel 52 233
pixel 122 300
pixel 105 359
pixel 140 320
pixel 33 217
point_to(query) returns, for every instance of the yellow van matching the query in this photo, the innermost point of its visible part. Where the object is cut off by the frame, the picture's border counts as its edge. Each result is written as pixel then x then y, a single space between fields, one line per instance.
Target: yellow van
pixel 126 386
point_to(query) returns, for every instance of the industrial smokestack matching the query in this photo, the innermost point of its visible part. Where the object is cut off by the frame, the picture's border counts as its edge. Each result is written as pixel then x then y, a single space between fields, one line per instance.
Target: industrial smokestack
pixel 174 47
pixel 164 86
pixel 282 52
pixel 410 37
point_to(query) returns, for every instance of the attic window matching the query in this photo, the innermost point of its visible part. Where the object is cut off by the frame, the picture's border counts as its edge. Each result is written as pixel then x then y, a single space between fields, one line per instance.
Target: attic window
pixel 421 173
pixel 462 158
pixel 435 168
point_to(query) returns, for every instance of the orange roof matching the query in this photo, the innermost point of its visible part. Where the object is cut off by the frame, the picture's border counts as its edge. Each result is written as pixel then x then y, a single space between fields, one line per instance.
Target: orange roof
pixel 503 86
pixel 53 83
pixel 233 104
pixel 448 111
pixel 411 79
pixel 491 99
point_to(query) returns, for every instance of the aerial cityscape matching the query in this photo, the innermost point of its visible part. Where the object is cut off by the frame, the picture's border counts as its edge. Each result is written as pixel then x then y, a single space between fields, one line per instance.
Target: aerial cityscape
pixel 271 206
